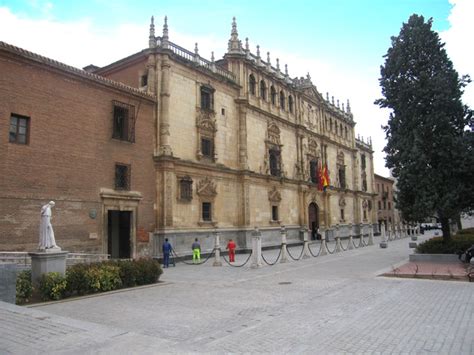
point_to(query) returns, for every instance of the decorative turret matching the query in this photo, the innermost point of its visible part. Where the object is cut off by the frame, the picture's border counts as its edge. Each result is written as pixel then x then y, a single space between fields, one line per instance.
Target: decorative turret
pixel 165 38
pixel 278 67
pixel 259 60
pixel 287 77
pixel 269 64
pixel 152 38
pixel 332 100
pixel 235 45
pixel 348 106
pixel 327 96
pixel 196 53
pixel 247 48
pixel 213 64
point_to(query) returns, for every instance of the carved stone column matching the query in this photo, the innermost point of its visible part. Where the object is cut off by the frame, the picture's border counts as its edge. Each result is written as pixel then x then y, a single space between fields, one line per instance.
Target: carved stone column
pixel 165 148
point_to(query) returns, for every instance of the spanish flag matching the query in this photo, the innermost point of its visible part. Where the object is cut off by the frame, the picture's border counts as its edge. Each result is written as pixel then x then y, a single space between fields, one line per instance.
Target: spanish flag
pixel 325 177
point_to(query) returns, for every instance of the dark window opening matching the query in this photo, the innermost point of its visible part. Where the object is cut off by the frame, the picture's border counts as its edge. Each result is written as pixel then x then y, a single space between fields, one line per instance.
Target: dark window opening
pixel 263 90
pixel 364 185
pixel 207 148
pixel 19 129
pixel 365 214
pixel 385 205
pixel 362 162
pixel 122 177
pixel 124 122
pixel 342 177
pixel 313 170
pixel 223 111
pixel 274 162
pixel 252 84
pixel 389 206
pixel 342 214
pixel 207 98
pixel 274 213
pixel 144 80
pixel 186 189
pixel 380 205
pixel 282 100
pixel 273 95
pixel 290 104
pixel 206 211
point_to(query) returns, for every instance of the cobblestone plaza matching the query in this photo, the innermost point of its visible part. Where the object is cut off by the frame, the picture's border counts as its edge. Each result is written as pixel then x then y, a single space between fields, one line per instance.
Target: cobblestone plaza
pixel 331 304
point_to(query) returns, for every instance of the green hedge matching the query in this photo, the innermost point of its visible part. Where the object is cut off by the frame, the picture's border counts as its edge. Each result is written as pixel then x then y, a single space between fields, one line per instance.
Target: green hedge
pixel 466 231
pixel 110 275
pixel 459 242
pixel 24 287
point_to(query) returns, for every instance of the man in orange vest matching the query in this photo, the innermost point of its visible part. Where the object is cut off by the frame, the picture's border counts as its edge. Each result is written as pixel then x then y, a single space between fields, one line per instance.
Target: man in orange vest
pixel 231 247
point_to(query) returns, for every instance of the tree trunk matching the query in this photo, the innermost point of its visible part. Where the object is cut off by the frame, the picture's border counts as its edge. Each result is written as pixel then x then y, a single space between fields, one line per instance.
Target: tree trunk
pixel 445 228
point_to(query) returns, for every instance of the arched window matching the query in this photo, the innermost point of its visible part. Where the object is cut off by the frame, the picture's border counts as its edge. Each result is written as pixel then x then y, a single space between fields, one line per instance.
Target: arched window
pixel 273 94
pixel 290 104
pixel 282 100
pixel 263 90
pixel 252 84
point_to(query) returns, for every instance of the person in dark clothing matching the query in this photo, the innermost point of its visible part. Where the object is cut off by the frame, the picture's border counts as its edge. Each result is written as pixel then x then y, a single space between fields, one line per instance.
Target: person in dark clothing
pixel 167 248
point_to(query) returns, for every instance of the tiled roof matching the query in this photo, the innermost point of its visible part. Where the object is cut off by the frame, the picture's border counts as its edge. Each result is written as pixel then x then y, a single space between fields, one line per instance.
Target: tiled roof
pixel 72 70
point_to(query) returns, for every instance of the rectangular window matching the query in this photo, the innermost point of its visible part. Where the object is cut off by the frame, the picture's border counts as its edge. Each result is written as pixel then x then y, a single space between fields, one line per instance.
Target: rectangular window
pixel 362 161
pixel 342 214
pixel 389 206
pixel 19 129
pixel 144 80
pixel 207 148
pixel 384 205
pixel 207 98
pixel 122 177
pixel 124 122
pixel 342 177
pixel 206 211
pixel 313 171
pixel 186 189
pixel 274 213
pixel 274 162
pixel 380 205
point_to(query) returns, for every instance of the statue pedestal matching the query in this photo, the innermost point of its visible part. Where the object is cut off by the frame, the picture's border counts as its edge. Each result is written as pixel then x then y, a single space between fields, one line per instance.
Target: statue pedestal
pixel 43 262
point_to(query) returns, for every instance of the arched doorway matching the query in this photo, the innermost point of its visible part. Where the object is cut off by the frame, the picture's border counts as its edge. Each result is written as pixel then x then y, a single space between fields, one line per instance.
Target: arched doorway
pixel 313 220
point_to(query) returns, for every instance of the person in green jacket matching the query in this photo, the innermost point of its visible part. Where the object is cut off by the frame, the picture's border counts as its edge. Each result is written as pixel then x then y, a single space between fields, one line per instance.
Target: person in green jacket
pixel 196 247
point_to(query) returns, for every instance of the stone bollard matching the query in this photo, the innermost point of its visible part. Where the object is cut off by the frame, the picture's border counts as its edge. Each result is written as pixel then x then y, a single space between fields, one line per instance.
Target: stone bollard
pixel 217 246
pixel 371 234
pixel 306 252
pixel 383 243
pixel 324 248
pixel 284 251
pixel 361 240
pixel 338 240
pixel 351 241
pixel 256 249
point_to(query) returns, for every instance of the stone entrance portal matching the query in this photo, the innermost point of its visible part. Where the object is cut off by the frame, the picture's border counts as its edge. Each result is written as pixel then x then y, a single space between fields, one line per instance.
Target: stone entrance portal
pixel 313 220
pixel 119 234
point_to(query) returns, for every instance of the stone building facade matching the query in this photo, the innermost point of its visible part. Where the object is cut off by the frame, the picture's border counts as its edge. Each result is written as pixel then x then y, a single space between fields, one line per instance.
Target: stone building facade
pixel 225 145
pixel 385 203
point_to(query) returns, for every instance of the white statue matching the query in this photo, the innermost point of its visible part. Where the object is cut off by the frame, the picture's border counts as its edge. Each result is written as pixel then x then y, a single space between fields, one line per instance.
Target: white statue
pixel 46 237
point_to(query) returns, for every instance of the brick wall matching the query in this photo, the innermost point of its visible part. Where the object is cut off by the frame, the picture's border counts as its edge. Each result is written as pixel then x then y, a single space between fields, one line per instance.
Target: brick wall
pixel 70 155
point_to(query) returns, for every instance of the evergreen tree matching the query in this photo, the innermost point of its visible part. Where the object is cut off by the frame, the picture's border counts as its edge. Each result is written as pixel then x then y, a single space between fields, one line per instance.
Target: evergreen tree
pixel 429 144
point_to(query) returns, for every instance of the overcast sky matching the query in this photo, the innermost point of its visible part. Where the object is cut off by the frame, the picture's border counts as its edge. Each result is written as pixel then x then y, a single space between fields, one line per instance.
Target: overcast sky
pixel 341 43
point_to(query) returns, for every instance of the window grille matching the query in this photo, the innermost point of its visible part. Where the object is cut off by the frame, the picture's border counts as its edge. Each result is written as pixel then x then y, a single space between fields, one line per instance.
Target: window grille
pixel 207 98
pixel 273 95
pixel 282 100
pixel 252 84
pixel 206 211
pixel 124 122
pixel 207 147
pixel 274 162
pixel 186 189
pixel 122 177
pixel 19 129
pixel 313 170
pixel 263 90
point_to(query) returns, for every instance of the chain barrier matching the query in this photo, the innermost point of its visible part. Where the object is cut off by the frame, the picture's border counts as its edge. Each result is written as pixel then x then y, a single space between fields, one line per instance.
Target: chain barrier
pixel 347 246
pixel 319 251
pixel 276 260
pixel 291 256
pixel 364 243
pixel 193 263
pixel 354 244
pixel 327 248
pixel 245 262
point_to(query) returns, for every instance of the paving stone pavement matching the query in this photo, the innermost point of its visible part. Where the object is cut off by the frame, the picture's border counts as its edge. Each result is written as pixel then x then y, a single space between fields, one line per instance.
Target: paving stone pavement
pixel 330 304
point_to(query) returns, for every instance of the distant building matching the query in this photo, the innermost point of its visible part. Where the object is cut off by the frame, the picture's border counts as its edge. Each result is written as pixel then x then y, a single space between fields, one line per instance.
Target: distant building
pixel 385 204
pixel 165 143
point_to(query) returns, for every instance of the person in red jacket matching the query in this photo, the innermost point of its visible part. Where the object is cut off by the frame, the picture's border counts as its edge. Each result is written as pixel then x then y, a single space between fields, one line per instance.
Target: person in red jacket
pixel 231 247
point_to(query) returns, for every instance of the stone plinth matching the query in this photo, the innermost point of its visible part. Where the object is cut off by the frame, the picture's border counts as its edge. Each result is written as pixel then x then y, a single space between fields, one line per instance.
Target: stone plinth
pixel 44 262
pixel 8 283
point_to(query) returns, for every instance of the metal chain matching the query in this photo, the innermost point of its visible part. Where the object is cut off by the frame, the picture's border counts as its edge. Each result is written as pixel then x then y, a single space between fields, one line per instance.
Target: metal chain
pixel 271 264
pixel 291 256
pixel 319 252
pixel 246 261
pixel 354 244
pixel 199 263
pixel 343 249
pixel 330 252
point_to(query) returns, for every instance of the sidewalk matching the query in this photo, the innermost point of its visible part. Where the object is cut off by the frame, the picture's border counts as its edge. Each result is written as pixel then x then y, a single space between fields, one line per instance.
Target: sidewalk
pixel 330 304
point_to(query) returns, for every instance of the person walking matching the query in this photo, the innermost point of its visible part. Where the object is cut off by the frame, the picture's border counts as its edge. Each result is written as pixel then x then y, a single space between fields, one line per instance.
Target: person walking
pixel 167 248
pixel 231 247
pixel 196 247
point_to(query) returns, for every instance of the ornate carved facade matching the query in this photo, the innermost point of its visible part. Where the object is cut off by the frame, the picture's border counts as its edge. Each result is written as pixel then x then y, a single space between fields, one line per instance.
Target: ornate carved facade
pixel 239 143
